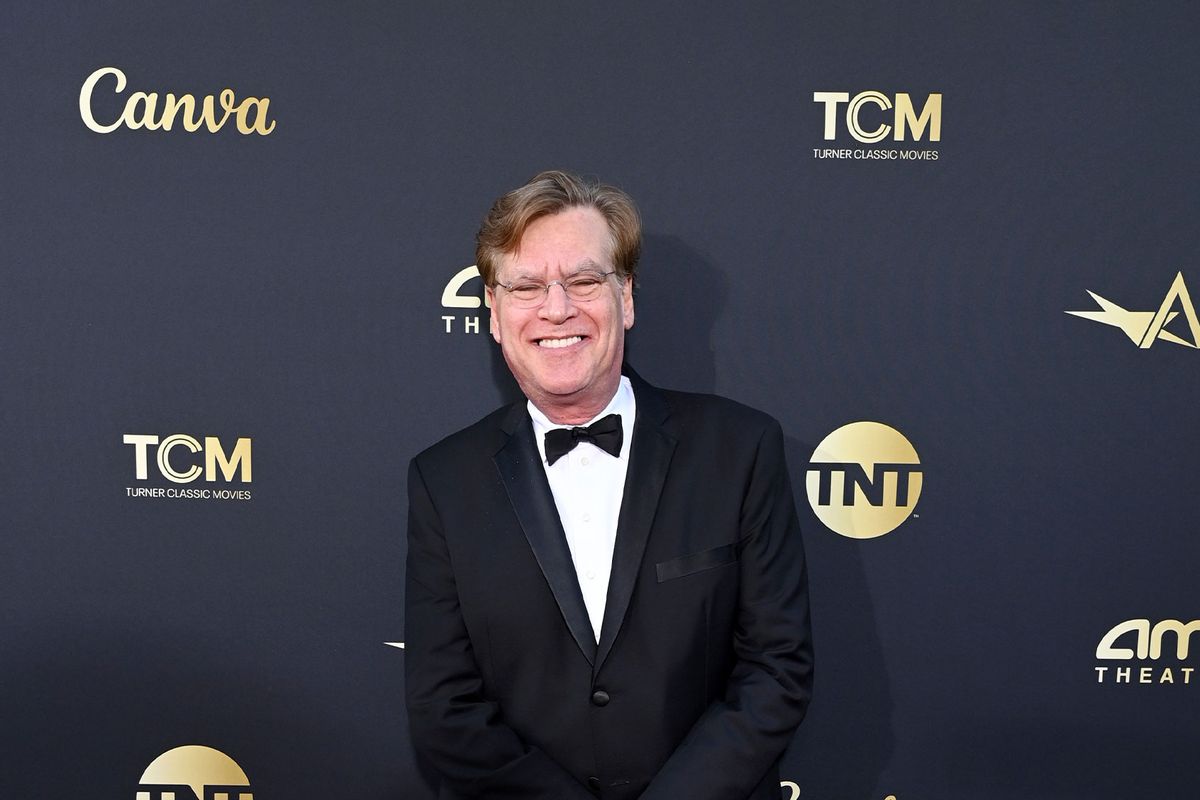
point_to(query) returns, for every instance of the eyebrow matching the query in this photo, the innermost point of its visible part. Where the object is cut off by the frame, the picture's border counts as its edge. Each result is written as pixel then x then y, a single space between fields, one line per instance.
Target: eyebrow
pixel 587 265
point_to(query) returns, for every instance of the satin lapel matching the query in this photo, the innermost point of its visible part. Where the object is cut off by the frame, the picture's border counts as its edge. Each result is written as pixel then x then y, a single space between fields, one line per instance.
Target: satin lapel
pixel 649 458
pixel 529 492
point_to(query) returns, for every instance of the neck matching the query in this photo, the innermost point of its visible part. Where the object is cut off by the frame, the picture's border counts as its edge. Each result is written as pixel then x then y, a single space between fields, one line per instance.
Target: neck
pixel 569 415
pixel 574 411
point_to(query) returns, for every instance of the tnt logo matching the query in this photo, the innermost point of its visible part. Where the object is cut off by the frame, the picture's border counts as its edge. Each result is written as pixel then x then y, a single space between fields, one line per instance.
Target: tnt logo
pixel 904 119
pixel 194 772
pixel 864 480
pixel 456 296
pixel 1147 644
pixel 183 469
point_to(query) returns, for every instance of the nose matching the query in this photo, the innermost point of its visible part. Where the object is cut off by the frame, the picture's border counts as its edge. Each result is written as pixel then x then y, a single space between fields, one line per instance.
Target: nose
pixel 557 306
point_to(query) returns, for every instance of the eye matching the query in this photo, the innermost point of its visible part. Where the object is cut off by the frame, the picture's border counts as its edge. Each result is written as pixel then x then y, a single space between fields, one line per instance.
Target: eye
pixel 585 286
pixel 527 291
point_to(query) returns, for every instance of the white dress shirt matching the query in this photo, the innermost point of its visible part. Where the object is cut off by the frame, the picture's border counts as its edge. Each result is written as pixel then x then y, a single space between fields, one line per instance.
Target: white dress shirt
pixel 588 484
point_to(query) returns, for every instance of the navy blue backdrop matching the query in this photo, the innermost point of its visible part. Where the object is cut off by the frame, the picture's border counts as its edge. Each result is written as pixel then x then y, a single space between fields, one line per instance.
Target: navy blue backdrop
pixel 859 211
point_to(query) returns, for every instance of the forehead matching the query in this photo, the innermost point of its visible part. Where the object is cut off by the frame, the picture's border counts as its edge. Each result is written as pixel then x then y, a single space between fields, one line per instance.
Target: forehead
pixel 571 240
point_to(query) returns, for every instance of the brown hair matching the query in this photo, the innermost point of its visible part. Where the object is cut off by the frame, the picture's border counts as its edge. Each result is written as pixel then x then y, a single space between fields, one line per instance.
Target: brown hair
pixel 549 193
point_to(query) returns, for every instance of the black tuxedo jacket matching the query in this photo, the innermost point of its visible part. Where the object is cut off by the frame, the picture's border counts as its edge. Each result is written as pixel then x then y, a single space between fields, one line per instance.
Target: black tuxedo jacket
pixel 704 666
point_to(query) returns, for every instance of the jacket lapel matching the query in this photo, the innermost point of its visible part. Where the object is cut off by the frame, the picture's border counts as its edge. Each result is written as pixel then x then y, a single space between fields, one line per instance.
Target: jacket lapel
pixel 529 492
pixel 649 457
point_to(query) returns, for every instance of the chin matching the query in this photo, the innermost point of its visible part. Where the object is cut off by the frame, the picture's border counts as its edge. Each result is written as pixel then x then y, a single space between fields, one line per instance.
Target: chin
pixel 564 390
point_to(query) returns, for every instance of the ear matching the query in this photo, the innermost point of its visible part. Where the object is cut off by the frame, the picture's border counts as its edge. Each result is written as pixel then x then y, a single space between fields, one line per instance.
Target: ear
pixel 627 302
pixel 493 325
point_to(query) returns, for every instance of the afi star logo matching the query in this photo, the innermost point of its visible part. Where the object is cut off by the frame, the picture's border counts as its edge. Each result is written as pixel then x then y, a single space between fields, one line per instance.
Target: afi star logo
pixel 1145 327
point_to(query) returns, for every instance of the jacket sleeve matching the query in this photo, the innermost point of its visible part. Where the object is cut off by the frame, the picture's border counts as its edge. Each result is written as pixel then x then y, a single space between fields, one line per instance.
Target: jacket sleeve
pixel 741 736
pixel 454 724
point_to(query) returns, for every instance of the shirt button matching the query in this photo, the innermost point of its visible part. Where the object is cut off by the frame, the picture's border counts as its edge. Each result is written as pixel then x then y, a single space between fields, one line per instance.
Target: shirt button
pixel 585 461
pixel 591 576
pixel 600 698
pixel 587 517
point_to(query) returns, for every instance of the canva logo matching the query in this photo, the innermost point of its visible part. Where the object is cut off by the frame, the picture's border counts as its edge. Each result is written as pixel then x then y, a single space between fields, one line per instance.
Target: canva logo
pixel 1148 640
pixel 1144 328
pixel 905 119
pixel 143 110
pixel 864 480
pixel 458 297
pixel 194 772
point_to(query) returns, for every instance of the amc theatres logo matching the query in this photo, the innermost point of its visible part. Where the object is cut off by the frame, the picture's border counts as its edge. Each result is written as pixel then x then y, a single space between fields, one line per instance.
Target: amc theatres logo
pixel 183 459
pixel 1149 642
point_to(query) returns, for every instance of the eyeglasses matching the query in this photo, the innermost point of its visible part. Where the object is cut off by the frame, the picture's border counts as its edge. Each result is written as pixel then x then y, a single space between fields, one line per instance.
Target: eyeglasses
pixel 580 287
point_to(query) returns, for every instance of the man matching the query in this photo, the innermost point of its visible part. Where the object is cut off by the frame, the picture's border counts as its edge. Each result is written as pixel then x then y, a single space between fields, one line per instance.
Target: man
pixel 606 593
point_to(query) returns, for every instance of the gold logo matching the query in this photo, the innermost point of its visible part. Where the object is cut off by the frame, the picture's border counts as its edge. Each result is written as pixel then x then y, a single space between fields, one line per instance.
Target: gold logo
pixel 864 480
pixel 905 117
pixel 1144 328
pixel 1147 644
pixel 236 464
pixel 1149 640
pixel 142 110
pixel 456 296
pixel 194 772
pixel 794 791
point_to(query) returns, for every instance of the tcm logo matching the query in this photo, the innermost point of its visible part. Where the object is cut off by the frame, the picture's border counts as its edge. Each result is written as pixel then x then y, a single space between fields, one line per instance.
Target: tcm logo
pixel 142 109
pixel 1144 328
pixel 904 117
pixel 457 295
pixel 194 772
pixel 864 480
pixel 175 457
pixel 1148 643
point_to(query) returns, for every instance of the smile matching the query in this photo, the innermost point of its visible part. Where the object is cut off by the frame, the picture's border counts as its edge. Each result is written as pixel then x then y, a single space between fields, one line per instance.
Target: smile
pixel 556 343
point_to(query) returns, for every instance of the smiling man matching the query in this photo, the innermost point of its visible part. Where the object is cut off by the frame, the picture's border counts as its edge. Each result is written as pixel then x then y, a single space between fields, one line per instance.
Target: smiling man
pixel 606 593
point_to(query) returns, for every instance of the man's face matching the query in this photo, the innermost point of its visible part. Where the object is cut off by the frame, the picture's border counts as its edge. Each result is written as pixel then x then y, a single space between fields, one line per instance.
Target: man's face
pixel 565 354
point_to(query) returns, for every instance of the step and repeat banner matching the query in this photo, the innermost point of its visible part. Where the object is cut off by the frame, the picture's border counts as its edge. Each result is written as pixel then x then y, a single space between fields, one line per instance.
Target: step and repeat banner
pixel 950 246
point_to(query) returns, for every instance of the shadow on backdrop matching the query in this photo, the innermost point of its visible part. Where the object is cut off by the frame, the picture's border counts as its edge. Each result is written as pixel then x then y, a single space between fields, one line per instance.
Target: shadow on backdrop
pixel 677 300
pixel 846 742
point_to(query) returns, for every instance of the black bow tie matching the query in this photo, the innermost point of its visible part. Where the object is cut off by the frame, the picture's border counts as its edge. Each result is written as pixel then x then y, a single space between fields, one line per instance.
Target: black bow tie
pixel 605 433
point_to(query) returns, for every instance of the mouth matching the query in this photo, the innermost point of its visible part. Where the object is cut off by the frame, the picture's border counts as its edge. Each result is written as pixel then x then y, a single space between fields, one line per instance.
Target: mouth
pixel 559 343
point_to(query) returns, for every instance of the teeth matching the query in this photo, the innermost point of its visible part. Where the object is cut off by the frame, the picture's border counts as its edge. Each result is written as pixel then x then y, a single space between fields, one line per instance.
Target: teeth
pixel 560 342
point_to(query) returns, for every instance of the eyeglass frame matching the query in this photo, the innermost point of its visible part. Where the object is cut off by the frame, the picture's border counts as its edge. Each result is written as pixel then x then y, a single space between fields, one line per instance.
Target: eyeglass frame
pixel 563 283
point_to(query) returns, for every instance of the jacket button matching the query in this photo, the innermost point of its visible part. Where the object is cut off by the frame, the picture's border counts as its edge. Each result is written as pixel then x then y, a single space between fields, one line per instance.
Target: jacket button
pixel 594 783
pixel 600 698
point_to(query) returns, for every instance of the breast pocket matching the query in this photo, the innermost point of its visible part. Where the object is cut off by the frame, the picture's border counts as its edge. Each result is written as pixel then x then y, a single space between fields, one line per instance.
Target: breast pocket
pixel 696 562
